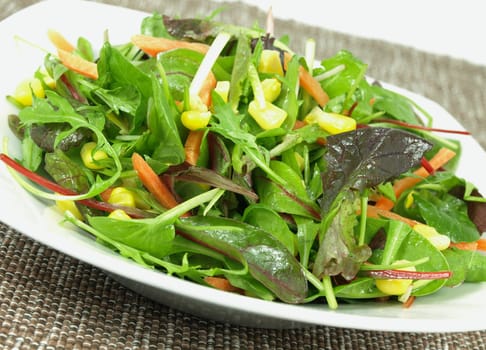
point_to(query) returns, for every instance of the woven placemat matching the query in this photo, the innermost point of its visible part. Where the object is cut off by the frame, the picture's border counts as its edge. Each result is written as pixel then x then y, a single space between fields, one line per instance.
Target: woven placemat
pixel 49 300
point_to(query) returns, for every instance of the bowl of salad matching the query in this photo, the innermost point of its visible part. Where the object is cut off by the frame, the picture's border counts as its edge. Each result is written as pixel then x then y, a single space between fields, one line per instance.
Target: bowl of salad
pixel 214 169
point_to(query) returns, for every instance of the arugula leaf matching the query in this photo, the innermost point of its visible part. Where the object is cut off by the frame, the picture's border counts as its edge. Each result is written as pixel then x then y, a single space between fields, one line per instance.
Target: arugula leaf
pixel 56 109
pixel 227 123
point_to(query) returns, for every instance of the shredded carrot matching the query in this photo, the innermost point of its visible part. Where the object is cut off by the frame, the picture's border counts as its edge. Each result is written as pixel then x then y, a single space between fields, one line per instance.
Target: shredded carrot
pixel 78 64
pixel 378 213
pixel 153 45
pixel 59 41
pixel 105 195
pixel 408 303
pixel 438 160
pixel 482 244
pixel 464 245
pixel 222 284
pixel 194 138
pixel 152 182
pixel 207 87
pixel 192 146
pixel 309 83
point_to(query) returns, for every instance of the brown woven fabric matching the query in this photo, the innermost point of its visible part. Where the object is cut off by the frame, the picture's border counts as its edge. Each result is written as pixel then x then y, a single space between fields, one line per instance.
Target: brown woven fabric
pixel 49 300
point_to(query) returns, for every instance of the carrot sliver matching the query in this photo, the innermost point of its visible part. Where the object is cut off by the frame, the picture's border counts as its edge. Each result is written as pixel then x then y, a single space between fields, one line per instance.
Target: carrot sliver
pixel 78 64
pixel 207 87
pixel 152 182
pixel 153 45
pixel 222 283
pixel 481 244
pixel 443 156
pixel 309 83
pixel 378 213
pixel 59 41
pixel 192 146
pixel 464 245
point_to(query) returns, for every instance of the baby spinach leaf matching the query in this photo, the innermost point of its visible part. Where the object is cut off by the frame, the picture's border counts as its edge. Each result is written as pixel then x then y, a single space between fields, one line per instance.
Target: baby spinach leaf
pixel 154 26
pixel 148 235
pixel 466 266
pixel 307 230
pixel 443 211
pixel 268 260
pixel 260 215
pixel 162 138
pixel 341 83
pixel 360 288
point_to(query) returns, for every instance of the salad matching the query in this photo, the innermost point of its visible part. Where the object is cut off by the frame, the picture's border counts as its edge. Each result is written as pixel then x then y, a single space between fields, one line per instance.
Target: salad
pixel 217 154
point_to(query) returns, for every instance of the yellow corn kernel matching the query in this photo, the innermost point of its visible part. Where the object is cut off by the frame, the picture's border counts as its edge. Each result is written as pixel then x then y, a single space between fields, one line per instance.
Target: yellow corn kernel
pixel 23 92
pixel 395 286
pixel 270 62
pixel 194 120
pixel 70 206
pixel 122 196
pixel 269 117
pixel 119 214
pixel 222 89
pixel 91 158
pixel 271 89
pixel 438 240
pixel 333 123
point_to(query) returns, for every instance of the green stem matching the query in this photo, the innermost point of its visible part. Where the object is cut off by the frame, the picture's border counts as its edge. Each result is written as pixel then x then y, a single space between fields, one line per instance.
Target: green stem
pixel 324 287
pixel 364 211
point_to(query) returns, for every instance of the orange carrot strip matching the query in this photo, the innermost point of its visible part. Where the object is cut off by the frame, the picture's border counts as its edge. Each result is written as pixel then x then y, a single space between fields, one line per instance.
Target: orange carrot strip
pixel 194 138
pixel 464 245
pixel 438 160
pixel 59 41
pixel 309 83
pixel 192 146
pixel 78 64
pixel 408 303
pixel 222 284
pixel 482 244
pixel 153 45
pixel 208 86
pixel 105 195
pixel 378 213
pixel 152 182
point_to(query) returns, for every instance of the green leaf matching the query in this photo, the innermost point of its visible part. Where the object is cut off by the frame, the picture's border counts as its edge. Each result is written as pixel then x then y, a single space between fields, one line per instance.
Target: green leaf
pixel 148 235
pixel 260 215
pixel 154 26
pixel 268 260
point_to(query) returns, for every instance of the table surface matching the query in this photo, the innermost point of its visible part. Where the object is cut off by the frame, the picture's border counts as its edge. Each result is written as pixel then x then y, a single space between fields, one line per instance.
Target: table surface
pixel 49 300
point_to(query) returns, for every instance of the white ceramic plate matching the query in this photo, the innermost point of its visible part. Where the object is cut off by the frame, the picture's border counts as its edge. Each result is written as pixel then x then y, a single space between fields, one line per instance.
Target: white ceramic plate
pixel 457 309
